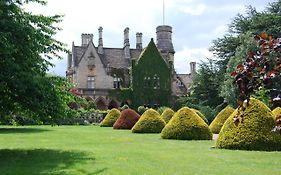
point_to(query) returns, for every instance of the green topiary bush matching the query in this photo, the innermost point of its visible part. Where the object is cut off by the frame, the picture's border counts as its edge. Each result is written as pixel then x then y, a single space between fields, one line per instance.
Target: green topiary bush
pixel 219 120
pixel 200 115
pixel 186 125
pixel 110 118
pixel 167 114
pixel 277 115
pixel 253 132
pixel 141 109
pixel 149 122
pixel 127 119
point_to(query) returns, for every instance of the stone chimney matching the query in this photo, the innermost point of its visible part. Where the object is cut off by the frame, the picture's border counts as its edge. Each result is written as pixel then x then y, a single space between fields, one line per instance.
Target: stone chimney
pixel 100 47
pixel 164 39
pixel 127 44
pixel 192 68
pixel 86 39
pixel 138 40
pixel 69 61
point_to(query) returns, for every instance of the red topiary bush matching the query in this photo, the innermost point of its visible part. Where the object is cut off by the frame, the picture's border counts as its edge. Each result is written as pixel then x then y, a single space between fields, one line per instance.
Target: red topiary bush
pixel 127 119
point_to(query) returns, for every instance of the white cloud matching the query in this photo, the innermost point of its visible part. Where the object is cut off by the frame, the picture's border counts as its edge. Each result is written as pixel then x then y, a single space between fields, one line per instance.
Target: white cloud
pixel 185 56
pixel 194 10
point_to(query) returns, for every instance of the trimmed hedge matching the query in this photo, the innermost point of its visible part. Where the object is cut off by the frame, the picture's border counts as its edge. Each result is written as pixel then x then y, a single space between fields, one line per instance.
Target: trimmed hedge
pixel 186 125
pixel 253 132
pixel 167 114
pixel 200 115
pixel 110 118
pixel 149 122
pixel 277 115
pixel 219 120
pixel 127 119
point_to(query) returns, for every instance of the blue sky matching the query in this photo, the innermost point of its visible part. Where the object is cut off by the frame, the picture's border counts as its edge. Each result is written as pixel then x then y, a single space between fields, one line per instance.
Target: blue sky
pixel 196 23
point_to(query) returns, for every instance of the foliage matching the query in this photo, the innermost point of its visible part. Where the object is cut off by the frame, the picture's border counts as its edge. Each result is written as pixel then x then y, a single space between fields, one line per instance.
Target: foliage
pixel 261 68
pixel 186 125
pixel 233 47
pixel 254 131
pixel 110 118
pixel 219 120
pixel 127 119
pixel 149 122
pixel 141 109
pixel 167 114
pixel 26 48
pixel 205 86
pixel 277 115
pixel 200 115
pixel 125 107
pixel 161 109
pixel 151 82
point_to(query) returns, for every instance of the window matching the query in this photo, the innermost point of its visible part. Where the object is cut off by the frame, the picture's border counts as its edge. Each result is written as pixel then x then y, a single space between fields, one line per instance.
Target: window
pixel 116 82
pixel 156 82
pixel 91 82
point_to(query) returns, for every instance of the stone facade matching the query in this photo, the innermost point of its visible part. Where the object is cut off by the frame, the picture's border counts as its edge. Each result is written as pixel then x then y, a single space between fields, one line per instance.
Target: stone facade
pixel 96 70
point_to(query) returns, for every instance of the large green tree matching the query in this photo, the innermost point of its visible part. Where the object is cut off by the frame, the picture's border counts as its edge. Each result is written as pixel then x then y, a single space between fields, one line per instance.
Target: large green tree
pixel 232 48
pixel 27 45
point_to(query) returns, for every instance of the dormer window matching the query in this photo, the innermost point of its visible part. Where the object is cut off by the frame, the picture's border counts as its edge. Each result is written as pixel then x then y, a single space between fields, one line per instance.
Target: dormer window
pixel 91 82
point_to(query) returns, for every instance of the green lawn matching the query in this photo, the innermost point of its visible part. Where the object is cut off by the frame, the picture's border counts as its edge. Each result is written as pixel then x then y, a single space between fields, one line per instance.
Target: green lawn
pixel 94 150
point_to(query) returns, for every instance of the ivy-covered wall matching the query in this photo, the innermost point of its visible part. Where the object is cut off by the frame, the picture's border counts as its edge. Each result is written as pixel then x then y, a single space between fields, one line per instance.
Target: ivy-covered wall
pixel 151 78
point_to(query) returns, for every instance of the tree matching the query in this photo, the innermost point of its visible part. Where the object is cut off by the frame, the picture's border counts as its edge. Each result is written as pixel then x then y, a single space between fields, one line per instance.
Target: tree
pixel 204 94
pixel 234 46
pixel 26 48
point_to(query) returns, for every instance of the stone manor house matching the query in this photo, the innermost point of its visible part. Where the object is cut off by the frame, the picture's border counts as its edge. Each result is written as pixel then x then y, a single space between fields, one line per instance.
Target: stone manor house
pixel 95 71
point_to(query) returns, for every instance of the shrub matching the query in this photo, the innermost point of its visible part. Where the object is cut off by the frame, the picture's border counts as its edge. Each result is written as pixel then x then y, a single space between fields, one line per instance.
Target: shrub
pixel 254 130
pixel 127 119
pixel 161 109
pixel 141 109
pixel 110 118
pixel 167 114
pixel 186 125
pixel 277 115
pixel 125 107
pixel 200 115
pixel 149 122
pixel 219 120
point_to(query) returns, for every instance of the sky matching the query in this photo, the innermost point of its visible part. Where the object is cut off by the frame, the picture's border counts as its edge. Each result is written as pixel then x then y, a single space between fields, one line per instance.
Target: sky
pixel 195 23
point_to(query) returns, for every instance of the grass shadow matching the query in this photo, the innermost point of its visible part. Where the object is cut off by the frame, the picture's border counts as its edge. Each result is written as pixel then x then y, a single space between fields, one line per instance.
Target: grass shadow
pixel 45 161
pixel 22 130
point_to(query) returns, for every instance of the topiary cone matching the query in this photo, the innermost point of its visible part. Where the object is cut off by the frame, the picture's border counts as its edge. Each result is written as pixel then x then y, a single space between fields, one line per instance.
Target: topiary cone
pixel 127 119
pixel 167 114
pixel 149 122
pixel 110 118
pixel 200 115
pixel 277 115
pixel 219 120
pixel 186 125
pixel 253 131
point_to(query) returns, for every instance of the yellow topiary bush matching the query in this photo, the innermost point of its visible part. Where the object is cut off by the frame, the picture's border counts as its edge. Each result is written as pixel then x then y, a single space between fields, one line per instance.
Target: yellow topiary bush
pixel 167 114
pixel 200 115
pixel 110 118
pixel 253 132
pixel 186 125
pixel 219 120
pixel 277 115
pixel 149 122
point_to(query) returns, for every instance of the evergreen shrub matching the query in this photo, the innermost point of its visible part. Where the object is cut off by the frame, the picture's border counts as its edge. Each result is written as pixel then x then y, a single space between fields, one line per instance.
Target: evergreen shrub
pixel 186 125
pixel 219 120
pixel 277 115
pixel 110 118
pixel 167 114
pixel 200 115
pixel 127 119
pixel 149 122
pixel 252 132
